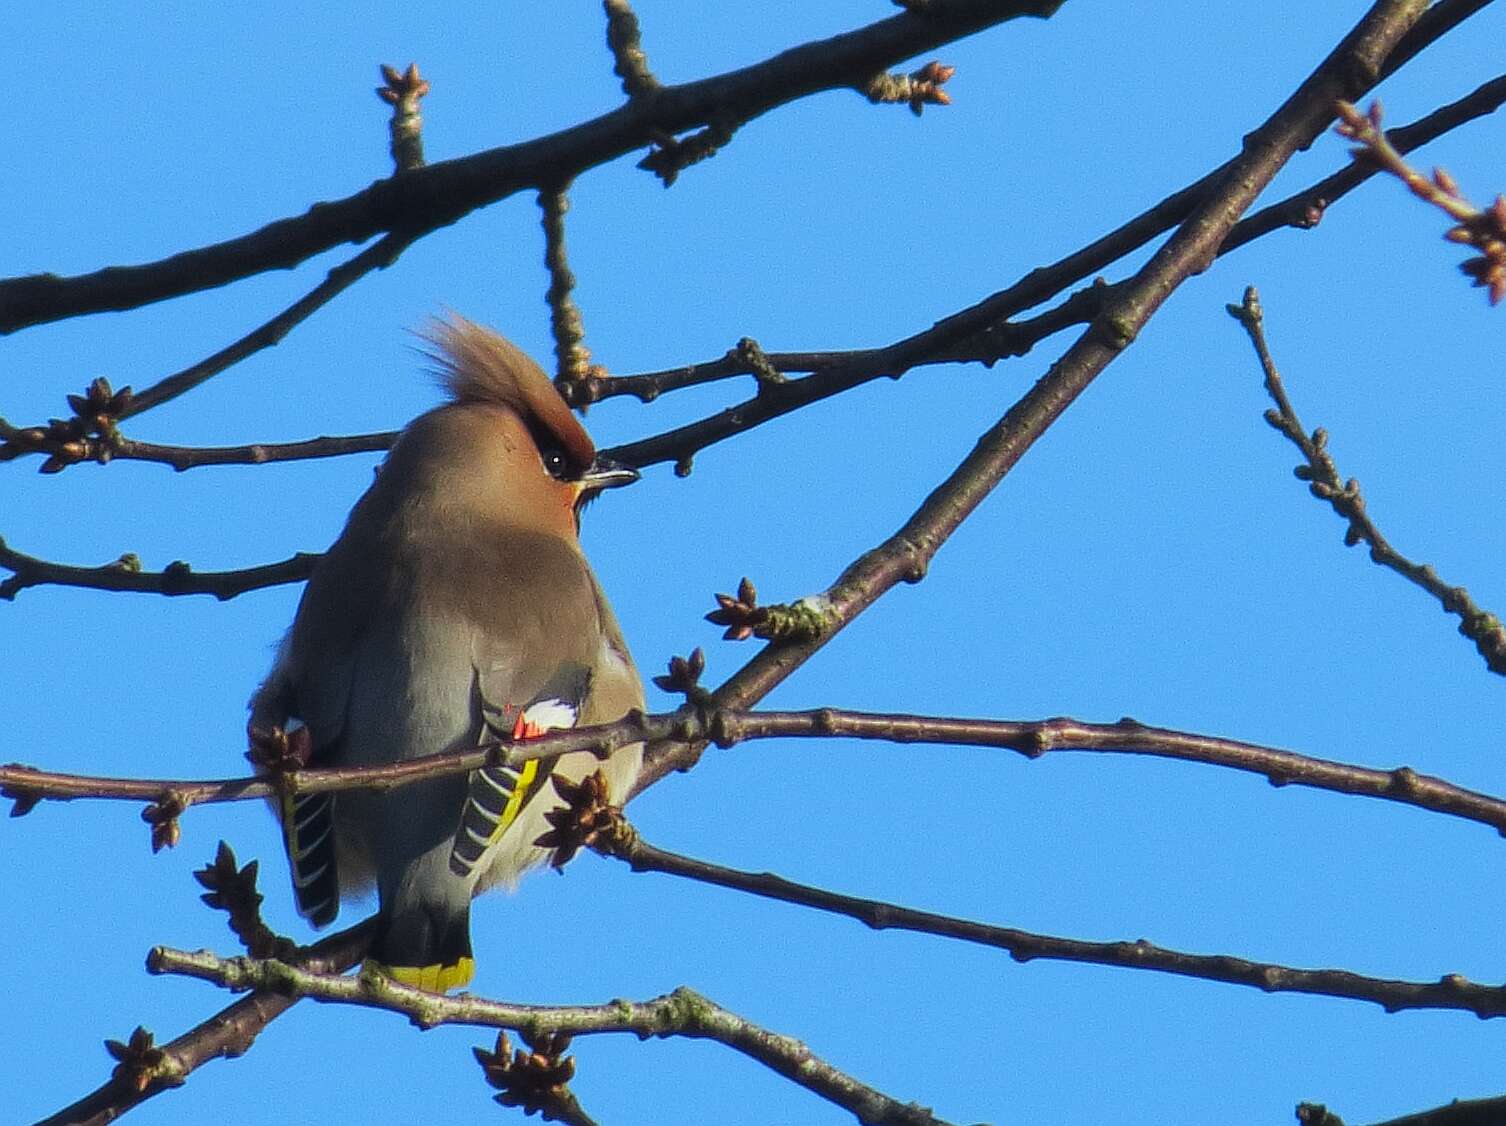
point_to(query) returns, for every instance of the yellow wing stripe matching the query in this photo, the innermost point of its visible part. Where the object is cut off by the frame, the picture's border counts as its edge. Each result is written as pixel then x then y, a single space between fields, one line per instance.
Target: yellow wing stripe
pixel 515 800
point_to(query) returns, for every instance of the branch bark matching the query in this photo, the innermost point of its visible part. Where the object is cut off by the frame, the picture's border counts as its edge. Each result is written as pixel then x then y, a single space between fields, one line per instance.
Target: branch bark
pixel 126 574
pixel 1449 992
pixel 728 727
pixel 227 1034
pixel 1344 496
pixel 424 199
pixel 904 556
pixel 681 1013
pixel 984 332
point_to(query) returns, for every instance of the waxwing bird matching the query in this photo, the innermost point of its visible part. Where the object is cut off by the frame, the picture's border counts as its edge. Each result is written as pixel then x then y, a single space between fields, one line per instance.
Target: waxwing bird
pixel 455 607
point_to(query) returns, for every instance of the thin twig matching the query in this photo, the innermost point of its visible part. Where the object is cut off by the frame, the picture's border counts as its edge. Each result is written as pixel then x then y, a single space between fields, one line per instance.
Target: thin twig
pixel 436 195
pixel 1324 482
pixel 257 453
pixel 125 574
pixel 838 371
pixel 572 359
pixel 905 555
pixel 726 728
pixel 227 1034
pixel 117 446
pixel 1482 228
pixel 1449 992
pixel 681 1013
pixel 101 444
pixel 1004 337
pixel 936 344
pixel 378 256
pixel 625 41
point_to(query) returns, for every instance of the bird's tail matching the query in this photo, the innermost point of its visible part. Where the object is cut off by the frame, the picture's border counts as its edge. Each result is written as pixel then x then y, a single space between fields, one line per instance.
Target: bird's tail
pixel 426 945
pixel 424 928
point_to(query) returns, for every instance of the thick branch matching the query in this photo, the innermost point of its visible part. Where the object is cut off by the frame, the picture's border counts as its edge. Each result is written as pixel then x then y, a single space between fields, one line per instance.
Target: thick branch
pixel 1304 208
pixel 1449 992
pixel 1460 1112
pixel 681 1013
pixel 833 371
pixel 983 333
pixel 227 1034
pixel 423 199
pixel 906 554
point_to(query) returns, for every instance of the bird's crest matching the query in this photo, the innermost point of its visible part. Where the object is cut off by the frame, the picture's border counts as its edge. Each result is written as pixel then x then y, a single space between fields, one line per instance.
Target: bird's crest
pixel 479 366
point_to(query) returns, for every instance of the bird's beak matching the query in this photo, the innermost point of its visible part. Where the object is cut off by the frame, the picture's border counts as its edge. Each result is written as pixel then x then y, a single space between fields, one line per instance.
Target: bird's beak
pixel 606 474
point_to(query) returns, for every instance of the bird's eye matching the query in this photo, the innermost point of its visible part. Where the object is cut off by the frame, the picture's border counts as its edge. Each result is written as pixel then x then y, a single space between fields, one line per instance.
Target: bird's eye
pixel 556 464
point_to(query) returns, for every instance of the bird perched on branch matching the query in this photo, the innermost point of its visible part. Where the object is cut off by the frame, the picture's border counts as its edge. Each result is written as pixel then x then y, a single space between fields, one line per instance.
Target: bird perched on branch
pixel 455 607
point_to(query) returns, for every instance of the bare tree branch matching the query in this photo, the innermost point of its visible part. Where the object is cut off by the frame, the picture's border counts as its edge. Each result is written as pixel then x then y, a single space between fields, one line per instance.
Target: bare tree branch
pixel 84 439
pixel 971 335
pixel 378 256
pixel 572 359
pixel 726 728
pixel 1480 626
pixel 424 199
pixel 227 1034
pixel 126 574
pixel 257 453
pixel 681 1013
pixel 905 555
pixel 833 371
pixel 625 41
pixel 193 457
pixel 1450 992
pixel 998 339
pixel 1460 1112
pixel 1004 338
pixel 1304 208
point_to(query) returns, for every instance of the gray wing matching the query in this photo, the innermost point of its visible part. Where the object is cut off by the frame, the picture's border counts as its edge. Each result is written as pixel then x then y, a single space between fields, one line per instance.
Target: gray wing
pixel 497 795
pixel 307 694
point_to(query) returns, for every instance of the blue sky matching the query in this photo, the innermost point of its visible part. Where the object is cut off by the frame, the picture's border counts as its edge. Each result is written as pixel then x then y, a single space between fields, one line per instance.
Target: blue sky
pixel 1153 556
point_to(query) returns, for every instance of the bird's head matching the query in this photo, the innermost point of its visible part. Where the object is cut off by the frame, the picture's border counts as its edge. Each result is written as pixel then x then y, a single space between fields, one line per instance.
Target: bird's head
pixel 550 464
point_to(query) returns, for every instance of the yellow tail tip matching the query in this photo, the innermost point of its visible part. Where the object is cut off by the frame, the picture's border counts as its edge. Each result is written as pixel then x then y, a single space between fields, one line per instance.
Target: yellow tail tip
pixel 433 979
